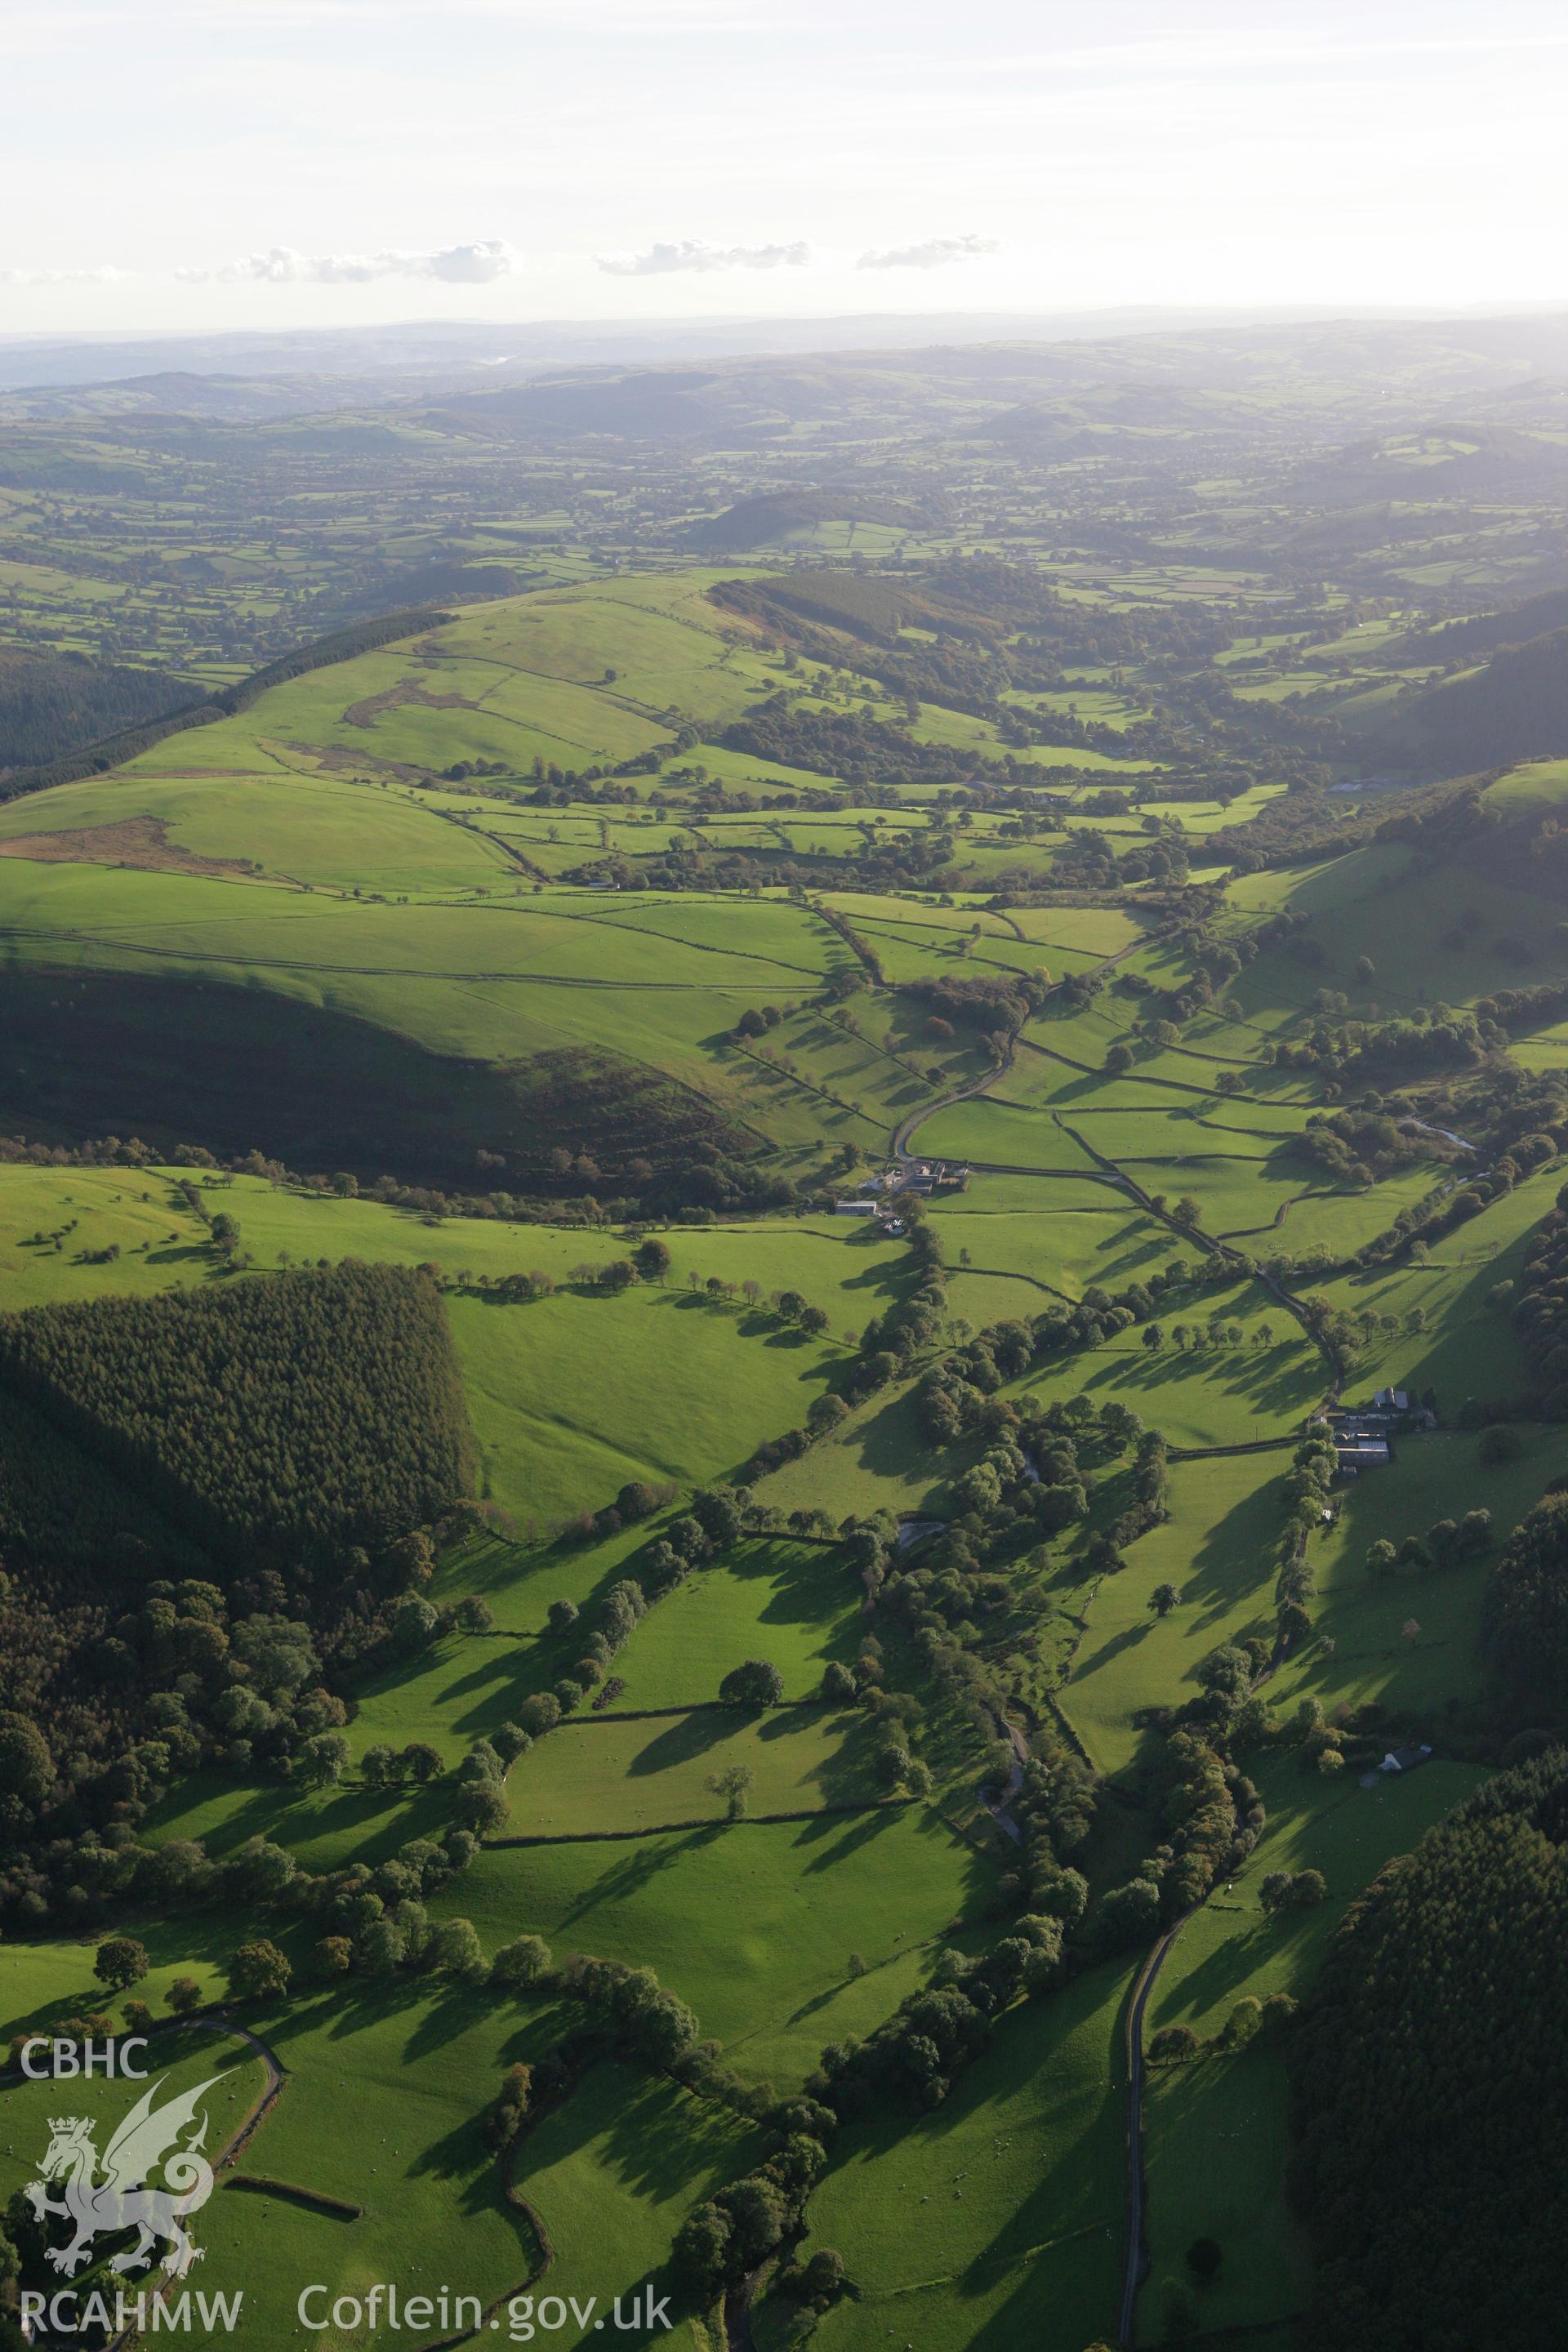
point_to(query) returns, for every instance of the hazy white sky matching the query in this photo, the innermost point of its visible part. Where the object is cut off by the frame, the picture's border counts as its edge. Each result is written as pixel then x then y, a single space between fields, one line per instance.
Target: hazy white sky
pixel 207 163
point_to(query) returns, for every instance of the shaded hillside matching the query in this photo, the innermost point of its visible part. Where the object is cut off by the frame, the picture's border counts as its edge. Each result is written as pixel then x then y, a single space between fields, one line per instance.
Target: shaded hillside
pixel 1515 708
pixel 238 1070
pixel 1473 639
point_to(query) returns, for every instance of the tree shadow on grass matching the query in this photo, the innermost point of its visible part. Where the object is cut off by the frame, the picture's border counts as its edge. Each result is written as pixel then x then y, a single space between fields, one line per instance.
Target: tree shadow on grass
pixel 685 1740
pixel 1227 1971
pixel 851 1835
pixel 658 2138
pixel 1233 1564
pixel 1111 1650
pixel 638 1866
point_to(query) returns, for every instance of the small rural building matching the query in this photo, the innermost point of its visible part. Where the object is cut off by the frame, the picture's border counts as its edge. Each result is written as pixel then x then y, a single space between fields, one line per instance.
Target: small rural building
pixel 1362 1453
pixel 855 1208
pixel 1406 1760
pixel 1393 1399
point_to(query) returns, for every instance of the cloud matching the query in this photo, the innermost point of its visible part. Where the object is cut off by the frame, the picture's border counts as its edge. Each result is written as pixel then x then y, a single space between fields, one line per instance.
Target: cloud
pixel 106 275
pixel 934 254
pixel 659 260
pixel 479 264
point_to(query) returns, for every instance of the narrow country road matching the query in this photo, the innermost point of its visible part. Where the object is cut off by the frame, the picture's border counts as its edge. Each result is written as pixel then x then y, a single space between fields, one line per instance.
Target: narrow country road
pixel 901 1134
pixel 1137 2252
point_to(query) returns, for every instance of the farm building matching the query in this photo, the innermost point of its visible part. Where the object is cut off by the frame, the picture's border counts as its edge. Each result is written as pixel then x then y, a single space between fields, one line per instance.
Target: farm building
pixel 1359 1452
pixel 930 1175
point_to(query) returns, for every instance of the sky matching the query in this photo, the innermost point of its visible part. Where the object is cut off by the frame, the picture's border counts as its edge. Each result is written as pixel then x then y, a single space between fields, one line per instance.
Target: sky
pixel 219 164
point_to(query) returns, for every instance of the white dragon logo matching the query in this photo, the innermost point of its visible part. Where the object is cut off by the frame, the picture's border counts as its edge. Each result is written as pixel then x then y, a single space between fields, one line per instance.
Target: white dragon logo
pixel 121 2201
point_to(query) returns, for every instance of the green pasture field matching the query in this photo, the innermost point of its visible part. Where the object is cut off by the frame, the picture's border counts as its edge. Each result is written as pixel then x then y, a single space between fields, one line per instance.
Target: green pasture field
pixel 1040 1080
pixel 569 1402
pixel 854 1083
pixel 1218 1547
pixel 878 1460
pixel 1235 1194
pixel 753 1925
pixel 1536 784
pixel 980 1299
pixel 1232 1946
pixel 385 2091
pixel 321 830
pixel 1496 1236
pixel 1064 1250
pixel 1241 1118
pixel 989 1195
pixel 1209 816
pixel 774 1598
pixel 1003 1134
pixel 789 1602
pixel 1151 1136
pixel 835 1264
pixel 614 1772
pixel 1216 2146
pixel 381 2108
pixel 1095 931
pixel 1450 1338
pixel 996 2220
pixel 1110 765
pixel 1344 1221
pixel 487 980
pixel 1069 1035
pixel 1095 705
pixel 795 941
pixel 1545 1049
pixel 42 1982
pixel 325 1830
pixel 911 950
pixel 214 925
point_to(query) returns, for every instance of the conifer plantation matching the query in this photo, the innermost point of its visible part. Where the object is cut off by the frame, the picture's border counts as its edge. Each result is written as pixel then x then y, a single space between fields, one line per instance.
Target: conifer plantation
pixel 274 1420
pixel 1425 2074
